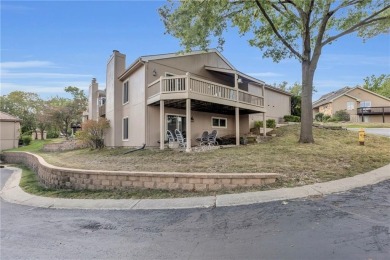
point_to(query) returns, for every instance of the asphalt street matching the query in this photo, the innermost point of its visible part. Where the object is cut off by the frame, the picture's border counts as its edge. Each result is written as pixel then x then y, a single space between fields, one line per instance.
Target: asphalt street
pixel 374 131
pixel 350 225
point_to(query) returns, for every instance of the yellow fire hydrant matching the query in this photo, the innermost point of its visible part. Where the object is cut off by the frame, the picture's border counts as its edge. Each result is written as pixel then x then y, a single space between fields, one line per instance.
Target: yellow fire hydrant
pixel 362 134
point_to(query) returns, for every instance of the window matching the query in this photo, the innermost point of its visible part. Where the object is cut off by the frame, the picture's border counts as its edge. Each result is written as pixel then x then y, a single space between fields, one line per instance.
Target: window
pixel 125 92
pixel 350 105
pixel 125 128
pixel 365 104
pixel 219 122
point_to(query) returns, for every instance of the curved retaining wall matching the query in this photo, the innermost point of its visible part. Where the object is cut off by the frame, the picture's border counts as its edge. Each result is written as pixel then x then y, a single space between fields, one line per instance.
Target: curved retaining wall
pixel 58 177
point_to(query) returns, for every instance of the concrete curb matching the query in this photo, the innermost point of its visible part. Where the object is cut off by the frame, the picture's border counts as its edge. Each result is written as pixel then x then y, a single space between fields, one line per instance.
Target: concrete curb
pixel 14 194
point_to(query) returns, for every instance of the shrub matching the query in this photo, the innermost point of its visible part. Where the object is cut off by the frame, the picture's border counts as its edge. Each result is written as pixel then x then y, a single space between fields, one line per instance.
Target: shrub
pixel 319 117
pixel 270 123
pixel 258 124
pixel 93 132
pixel 26 139
pixel 341 115
pixel 291 118
pixel 326 118
pixel 52 134
pixel 331 119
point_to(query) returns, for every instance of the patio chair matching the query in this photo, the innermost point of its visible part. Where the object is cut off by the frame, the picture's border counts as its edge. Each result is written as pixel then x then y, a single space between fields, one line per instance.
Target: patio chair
pixel 212 138
pixel 180 139
pixel 203 139
pixel 171 138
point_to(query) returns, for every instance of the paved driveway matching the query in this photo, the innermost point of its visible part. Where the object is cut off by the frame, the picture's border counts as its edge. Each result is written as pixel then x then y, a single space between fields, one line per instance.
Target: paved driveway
pixel 351 225
pixel 374 131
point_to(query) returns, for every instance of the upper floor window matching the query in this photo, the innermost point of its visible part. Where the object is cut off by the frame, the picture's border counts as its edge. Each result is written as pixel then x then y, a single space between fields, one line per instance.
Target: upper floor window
pixel 125 92
pixel 350 105
pixel 219 122
pixel 102 101
pixel 365 104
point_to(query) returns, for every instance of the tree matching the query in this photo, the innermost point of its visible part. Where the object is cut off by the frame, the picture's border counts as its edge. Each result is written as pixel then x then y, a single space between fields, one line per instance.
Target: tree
pixel 93 132
pixel 43 116
pixel 23 105
pixel 379 85
pixel 283 28
pixel 65 111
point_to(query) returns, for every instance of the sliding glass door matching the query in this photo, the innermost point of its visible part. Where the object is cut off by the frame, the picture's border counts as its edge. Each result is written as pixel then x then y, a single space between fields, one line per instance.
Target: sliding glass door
pixel 174 122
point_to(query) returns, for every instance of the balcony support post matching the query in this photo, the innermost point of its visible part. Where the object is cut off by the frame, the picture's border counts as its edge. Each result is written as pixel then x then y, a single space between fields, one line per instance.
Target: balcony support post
pixel 162 125
pixel 383 114
pixel 188 124
pixel 264 125
pixel 237 126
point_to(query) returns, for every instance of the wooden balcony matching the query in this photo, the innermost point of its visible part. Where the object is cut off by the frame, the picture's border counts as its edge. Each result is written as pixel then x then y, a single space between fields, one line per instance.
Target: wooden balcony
pixel 188 86
pixel 373 111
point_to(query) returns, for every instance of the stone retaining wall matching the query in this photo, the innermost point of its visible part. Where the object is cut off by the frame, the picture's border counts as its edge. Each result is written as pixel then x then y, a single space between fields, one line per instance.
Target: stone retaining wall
pixel 58 177
pixel 64 146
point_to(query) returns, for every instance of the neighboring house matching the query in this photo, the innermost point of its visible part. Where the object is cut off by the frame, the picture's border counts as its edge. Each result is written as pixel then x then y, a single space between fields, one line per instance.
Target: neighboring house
pixel 362 105
pixel 9 131
pixel 194 92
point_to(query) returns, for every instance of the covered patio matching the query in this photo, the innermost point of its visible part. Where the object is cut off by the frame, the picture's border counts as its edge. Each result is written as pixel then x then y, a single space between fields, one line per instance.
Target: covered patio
pixel 190 93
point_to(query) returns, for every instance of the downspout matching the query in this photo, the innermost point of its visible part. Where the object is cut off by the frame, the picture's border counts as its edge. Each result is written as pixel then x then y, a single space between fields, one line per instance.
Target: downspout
pixel 146 64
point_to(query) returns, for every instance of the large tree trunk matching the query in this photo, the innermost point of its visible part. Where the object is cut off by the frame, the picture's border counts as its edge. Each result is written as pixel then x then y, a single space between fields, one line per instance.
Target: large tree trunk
pixel 306 105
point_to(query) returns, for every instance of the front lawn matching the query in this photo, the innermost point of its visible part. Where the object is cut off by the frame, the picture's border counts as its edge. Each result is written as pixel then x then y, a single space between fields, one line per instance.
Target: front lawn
pixel 335 154
pixel 36 145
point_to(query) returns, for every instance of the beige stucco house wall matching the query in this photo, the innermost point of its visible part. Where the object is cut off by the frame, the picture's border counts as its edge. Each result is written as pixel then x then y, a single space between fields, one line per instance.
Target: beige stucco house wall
pixel 278 104
pixel 196 70
pixel 9 131
pixel 350 100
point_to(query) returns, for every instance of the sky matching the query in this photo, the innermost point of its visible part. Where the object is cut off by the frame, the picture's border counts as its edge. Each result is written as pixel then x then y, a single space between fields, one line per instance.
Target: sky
pixel 49 45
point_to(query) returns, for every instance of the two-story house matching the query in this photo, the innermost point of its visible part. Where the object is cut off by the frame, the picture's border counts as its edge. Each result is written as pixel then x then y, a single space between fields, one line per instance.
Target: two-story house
pixel 361 104
pixel 194 92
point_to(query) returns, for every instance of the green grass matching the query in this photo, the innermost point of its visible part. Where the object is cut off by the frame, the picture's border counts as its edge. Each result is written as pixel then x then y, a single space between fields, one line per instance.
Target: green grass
pixel 335 154
pixel 35 145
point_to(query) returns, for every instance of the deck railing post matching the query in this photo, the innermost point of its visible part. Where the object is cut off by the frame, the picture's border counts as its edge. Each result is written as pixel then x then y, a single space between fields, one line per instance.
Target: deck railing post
pixel 161 84
pixel 187 84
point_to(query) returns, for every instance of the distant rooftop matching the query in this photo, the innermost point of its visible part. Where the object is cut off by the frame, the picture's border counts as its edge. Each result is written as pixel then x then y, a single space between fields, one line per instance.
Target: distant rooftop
pixel 4 117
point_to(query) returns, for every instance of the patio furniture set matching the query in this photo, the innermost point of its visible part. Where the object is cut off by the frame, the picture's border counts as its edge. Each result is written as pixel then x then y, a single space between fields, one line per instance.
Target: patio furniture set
pixel 204 142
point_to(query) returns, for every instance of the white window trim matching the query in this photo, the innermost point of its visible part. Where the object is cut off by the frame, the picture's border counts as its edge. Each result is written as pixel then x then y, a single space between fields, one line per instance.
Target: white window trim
pixel 353 105
pixel 128 92
pixel 212 118
pixel 128 128
pixel 368 101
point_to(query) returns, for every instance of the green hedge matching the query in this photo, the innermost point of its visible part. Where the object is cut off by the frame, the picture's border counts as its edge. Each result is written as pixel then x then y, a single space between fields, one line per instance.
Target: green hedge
pixel 291 118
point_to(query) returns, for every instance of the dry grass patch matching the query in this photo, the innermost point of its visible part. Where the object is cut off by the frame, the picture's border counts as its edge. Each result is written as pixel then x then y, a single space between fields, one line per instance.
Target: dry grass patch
pixel 336 154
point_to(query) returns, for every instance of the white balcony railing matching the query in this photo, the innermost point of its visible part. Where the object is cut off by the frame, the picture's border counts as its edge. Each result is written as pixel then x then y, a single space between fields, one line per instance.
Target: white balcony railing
pixel 191 84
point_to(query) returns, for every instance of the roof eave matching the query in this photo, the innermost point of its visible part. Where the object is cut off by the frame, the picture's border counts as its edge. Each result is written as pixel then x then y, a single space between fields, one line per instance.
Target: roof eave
pixel 135 65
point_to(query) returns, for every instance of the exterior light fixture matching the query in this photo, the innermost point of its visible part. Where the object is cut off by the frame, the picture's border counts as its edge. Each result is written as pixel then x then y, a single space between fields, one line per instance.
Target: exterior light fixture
pixel 239 80
pixel 154 72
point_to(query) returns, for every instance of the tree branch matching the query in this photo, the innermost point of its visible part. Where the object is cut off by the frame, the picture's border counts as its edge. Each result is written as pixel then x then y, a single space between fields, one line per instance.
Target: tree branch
pixel 275 30
pixel 366 21
pixel 307 38
pixel 286 11
pixel 345 4
pixel 320 35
